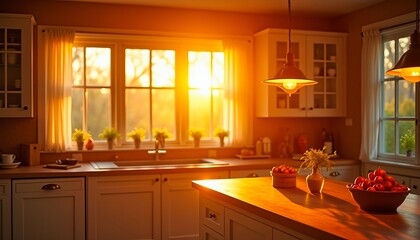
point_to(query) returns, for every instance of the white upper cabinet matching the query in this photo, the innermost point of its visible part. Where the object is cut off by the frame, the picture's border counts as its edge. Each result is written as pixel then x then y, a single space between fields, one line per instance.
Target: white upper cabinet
pixel 320 55
pixel 16 33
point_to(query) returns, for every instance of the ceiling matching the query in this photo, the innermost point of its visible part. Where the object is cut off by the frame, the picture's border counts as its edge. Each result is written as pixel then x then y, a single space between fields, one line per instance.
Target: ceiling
pixel 314 8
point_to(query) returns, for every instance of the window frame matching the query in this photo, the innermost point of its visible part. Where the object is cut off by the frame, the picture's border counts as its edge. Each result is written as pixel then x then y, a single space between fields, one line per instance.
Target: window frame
pixel 395 33
pixel 181 46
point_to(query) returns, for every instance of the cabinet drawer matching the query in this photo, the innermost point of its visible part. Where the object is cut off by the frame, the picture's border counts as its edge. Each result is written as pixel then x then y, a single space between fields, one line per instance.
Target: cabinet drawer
pixel 46 184
pixel 212 215
pixel 250 173
pixel 208 234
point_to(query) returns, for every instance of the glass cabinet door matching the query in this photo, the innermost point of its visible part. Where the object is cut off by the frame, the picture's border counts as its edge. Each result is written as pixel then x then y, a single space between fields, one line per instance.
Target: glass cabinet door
pixel 325 65
pixel 10 68
pixel 296 101
pixel 16 65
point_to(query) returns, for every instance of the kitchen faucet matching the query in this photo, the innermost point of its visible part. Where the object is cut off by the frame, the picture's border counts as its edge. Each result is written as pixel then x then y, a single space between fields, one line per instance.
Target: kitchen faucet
pixel 156 152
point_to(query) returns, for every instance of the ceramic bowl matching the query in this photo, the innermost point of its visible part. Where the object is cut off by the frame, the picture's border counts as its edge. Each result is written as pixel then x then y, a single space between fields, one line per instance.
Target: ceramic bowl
pixel 68 161
pixel 383 201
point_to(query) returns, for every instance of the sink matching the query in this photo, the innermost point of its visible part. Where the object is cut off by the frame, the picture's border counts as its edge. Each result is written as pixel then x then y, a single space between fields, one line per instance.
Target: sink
pixel 149 164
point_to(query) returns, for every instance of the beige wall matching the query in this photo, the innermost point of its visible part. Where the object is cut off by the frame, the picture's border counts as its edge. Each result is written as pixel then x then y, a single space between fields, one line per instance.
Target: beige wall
pixel 13 132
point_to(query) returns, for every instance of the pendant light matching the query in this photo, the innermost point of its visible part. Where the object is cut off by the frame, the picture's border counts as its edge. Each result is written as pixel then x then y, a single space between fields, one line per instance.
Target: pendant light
pixel 290 79
pixel 408 67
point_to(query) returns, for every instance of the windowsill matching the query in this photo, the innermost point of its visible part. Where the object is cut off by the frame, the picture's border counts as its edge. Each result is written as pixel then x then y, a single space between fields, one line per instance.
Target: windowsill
pixel 129 153
pixel 396 164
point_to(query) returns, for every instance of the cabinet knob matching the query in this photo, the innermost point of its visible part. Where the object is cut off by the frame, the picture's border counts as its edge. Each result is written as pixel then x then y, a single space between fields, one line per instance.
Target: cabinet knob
pixel 25 108
pixel 303 109
pixel 334 174
pixel 252 175
pixel 415 187
pixel 156 179
pixel 51 186
pixel 212 215
pixel 165 179
pixel 311 108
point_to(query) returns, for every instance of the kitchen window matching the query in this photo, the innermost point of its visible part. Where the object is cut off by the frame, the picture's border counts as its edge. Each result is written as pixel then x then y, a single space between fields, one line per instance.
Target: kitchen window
pixel 96 80
pixel 389 104
pixel 157 88
pixel 398 114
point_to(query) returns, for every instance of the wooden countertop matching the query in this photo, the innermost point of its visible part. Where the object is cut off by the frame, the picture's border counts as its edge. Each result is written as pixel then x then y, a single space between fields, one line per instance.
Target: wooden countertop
pixel 87 170
pixel 330 215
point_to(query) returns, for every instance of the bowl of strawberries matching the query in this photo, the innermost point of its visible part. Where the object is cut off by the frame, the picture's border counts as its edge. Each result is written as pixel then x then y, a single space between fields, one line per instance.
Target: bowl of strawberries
pixel 378 192
pixel 283 176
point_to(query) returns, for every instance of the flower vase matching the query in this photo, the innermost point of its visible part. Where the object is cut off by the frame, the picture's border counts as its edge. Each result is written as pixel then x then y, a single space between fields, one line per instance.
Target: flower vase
pixel 196 142
pixel 80 146
pixel 222 141
pixel 137 142
pixel 161 141
pixel 315 181
pixel 110 142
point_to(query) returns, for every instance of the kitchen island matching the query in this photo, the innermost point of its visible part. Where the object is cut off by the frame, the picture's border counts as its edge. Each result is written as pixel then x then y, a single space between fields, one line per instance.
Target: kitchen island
pixel 250 208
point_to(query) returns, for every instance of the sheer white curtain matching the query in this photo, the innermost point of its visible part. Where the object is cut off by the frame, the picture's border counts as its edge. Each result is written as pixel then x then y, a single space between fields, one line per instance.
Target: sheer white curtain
pixel 58 61
pixel 238 108
pixel 370 94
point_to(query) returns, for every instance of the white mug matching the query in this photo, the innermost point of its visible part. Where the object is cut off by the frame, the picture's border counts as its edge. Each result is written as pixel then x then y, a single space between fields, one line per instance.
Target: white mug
pixel 8 158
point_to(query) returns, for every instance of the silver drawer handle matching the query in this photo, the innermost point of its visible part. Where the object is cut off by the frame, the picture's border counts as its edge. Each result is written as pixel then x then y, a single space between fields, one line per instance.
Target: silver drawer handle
pixel 51 186
pixel 335 174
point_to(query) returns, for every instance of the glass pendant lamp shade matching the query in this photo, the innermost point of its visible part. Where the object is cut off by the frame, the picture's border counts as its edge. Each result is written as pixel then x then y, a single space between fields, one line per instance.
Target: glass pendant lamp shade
pixel 408 67
pixel 290 78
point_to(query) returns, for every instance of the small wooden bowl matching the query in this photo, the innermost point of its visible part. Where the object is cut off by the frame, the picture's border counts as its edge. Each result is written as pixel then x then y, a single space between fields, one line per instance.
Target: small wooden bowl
pixel 283 180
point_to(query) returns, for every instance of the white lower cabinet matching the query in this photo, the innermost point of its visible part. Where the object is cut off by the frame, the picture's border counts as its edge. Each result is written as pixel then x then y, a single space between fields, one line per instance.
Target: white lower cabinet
pixel 180 204
pixel 263 172
pixel 220 221
pixel 123 207
pixel 157 206
pixel 48 208
pixel 342 173
pixel 5 211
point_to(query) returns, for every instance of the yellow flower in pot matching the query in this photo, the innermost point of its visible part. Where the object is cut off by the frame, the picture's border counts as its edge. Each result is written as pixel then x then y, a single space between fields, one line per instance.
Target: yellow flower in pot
pixel 160 134
pixel 221 134
pixel 316 159
pixel 137 134
pixel 80 136
pixel 196 134
pixel 109 134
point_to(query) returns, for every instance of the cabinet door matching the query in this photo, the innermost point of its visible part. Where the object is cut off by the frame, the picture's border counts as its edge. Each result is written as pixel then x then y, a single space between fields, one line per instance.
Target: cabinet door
pixel 241 227
pixel 326 65
pixel 415 185
pixel 16 65
pixel 123 207
pixel 49 208
pixel 280 103
pixel 5 210
pixel 207 233
pixel 180 204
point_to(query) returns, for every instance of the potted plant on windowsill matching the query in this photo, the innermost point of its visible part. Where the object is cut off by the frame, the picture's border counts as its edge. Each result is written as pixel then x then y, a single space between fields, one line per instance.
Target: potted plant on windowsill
pixel 109 134
pixel 161 134
pixel 221 134
pixel 196 134
pixel 316 159
pixel 408 141
pixel 80 136
pixel 137 134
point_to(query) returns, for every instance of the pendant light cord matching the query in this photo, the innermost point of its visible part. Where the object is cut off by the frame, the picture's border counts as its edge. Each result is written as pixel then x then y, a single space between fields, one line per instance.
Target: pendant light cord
pixel 290 24
pixel 417 15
